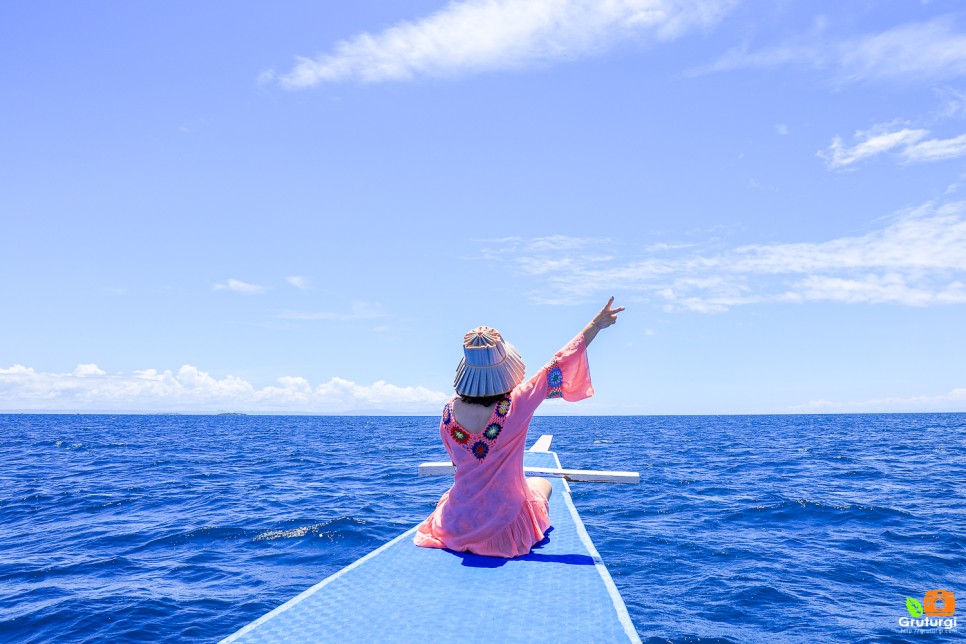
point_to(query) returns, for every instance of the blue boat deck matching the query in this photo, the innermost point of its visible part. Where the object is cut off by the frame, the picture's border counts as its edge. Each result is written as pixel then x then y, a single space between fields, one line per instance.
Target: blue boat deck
pixel 559 592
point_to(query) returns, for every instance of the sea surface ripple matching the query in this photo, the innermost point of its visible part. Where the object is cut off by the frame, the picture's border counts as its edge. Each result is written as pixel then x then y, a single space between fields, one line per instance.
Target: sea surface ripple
pixel 744 528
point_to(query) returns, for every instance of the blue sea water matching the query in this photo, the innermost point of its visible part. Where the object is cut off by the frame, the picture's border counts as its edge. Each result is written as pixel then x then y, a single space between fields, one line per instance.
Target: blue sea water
pixel 743 529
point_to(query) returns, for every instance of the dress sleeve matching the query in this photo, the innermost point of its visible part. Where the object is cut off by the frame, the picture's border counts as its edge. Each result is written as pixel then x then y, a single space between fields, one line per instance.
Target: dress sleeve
pixel 566 376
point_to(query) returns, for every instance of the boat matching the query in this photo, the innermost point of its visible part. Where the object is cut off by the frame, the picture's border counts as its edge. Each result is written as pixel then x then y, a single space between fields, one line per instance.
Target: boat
pixel 559 592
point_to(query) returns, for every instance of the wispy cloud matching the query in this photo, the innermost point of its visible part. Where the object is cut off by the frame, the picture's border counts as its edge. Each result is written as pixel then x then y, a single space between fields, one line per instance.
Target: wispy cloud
pixel 238 286
pixel 358 311
pixel 952 102
pixel 954 400
pixel 298 281
pixel 504 246
pixel 486 35
pixel 869 143
pixel 918 51
pixel 910 145
pixel 190 389
pixel 918 259
pixel 936 149
pixel 559 242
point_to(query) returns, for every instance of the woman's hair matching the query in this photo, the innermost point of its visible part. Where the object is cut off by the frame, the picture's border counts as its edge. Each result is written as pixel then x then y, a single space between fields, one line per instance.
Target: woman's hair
pixel 486 401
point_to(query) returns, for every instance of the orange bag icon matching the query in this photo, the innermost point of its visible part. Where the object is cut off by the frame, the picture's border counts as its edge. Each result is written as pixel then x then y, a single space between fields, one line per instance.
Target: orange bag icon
pixel 939 603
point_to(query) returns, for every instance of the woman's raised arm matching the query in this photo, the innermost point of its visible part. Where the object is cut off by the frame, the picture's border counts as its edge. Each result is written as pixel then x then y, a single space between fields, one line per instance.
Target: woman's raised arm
pixel 602 320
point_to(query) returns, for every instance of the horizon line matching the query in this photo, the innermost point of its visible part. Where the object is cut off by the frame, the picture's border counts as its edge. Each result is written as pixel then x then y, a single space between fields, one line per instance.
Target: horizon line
pixel 381 414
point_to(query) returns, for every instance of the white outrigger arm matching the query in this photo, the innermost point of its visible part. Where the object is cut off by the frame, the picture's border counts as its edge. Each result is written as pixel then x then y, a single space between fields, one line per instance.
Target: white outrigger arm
pixel 543 445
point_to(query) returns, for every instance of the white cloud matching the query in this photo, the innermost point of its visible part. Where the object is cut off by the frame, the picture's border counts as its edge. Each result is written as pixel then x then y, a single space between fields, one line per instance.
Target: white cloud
pixel 917 51
pixel 298 281
pixel 919 259
pixel 873 288
pixel 90 369
pixel 664 246
pixel 954 400
pixel 936 149
pixel 910 145
pixel 781 128
pixel 498 248
pixel 925 49
pixel 358 311
pixel 953 102
pixel 559 242
pixel 190 389
pixel 238 286
pixel 487 35
pixel 870 143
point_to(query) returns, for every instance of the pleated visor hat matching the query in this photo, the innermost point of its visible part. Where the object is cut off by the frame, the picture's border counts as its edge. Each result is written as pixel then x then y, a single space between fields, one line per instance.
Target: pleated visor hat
pixel 489 366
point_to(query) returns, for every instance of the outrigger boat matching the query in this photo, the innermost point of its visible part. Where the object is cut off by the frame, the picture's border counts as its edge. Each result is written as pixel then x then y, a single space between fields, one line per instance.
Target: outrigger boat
pixel 559 592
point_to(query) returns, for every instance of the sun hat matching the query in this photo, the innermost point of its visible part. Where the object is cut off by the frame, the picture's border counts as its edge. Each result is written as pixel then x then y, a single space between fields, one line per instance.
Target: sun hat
pixel 489 366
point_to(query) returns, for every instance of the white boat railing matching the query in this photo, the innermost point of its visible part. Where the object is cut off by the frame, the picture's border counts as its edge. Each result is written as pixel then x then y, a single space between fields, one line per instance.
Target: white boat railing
pixel 543 445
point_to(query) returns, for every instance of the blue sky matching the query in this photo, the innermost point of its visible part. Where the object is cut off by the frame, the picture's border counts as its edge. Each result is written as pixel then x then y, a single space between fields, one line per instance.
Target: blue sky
pixel 303 206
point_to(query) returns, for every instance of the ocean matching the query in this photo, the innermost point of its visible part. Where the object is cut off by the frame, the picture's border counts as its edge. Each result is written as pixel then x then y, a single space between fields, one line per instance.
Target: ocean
pixel 171 528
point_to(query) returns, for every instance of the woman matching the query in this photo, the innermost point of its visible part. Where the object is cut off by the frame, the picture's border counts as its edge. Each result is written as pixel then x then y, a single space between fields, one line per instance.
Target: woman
pixel 492 508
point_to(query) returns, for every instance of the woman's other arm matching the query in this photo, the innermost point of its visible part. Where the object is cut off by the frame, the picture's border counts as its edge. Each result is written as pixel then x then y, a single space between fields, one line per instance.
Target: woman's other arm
pixel 567 375
pixel 602 320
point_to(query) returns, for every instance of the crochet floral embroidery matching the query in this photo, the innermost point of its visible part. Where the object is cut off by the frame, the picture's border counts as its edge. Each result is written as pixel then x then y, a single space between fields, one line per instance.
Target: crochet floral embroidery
pixel 555 377
pixel 503 408
pixel 459 435
pixel 480 450
pixel 554 381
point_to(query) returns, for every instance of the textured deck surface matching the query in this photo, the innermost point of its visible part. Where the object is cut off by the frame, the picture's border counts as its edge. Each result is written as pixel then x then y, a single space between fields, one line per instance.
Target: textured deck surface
pixel 560 592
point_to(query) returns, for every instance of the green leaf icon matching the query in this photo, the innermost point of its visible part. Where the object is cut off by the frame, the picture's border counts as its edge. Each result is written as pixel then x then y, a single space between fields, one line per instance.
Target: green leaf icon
pixel 914 607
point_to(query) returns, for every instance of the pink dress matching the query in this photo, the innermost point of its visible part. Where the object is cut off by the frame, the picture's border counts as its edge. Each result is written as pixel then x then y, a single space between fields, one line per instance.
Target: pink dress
pixel 490 510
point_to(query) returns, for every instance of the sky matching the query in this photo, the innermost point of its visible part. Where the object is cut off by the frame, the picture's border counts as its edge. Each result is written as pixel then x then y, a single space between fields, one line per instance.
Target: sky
pixel 303 206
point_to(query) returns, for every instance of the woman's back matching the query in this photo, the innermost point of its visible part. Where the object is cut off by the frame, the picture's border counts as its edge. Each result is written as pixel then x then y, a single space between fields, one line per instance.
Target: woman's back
pixel 492 508
pixel 472 417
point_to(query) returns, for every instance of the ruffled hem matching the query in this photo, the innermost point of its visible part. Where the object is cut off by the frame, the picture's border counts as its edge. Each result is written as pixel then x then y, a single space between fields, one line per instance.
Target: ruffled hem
pixel 516 539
